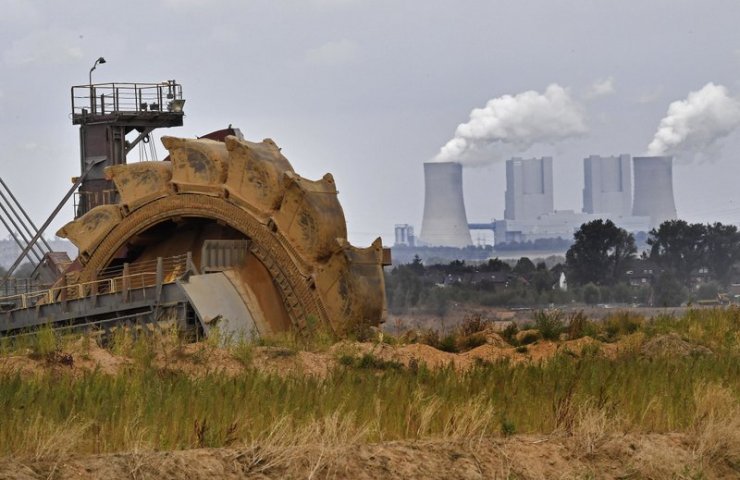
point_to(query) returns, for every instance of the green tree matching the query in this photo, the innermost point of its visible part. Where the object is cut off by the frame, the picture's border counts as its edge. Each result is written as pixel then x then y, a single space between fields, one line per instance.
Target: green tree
pixel 524 267
pixel 600 254
pixel 668 291
pixel 721 251
pixel 678 247
pixel 591 294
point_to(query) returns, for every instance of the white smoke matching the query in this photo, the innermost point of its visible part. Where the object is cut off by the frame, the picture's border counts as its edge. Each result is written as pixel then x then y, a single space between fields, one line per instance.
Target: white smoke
pixel 693 126
pixel 515 123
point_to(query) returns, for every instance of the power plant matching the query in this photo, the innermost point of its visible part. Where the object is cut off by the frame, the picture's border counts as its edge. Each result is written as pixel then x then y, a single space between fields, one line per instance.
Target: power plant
pixel 654 189
pixel 529 214
pixel 444 222
pixel 607 185
pixel 528 188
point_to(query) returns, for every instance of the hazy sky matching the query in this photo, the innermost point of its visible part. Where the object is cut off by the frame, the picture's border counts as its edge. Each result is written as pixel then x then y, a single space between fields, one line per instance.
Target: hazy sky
pixel 370 89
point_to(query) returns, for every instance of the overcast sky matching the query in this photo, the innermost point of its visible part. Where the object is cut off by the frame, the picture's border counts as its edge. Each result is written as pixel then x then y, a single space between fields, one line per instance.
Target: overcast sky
pixel 370 89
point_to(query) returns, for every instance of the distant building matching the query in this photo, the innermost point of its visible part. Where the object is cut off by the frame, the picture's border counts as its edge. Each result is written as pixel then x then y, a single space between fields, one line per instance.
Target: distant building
pixel 558 224
pixel 654 189
pixel 528 188
pixel 405 235
pixel 607 186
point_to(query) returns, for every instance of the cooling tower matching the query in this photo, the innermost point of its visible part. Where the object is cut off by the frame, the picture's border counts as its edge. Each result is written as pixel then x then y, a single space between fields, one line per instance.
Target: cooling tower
pixel 654 189
pixel 445 223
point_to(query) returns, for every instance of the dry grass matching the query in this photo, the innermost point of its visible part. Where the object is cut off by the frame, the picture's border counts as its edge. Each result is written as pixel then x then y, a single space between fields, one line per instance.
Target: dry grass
pixel 591 428
pixel 716 425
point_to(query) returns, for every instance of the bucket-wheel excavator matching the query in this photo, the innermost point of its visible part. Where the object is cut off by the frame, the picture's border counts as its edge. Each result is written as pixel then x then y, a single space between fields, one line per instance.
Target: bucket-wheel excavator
pixel 222 233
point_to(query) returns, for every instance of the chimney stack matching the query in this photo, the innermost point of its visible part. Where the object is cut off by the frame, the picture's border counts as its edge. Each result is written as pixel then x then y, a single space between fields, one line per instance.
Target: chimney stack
pixel 445 223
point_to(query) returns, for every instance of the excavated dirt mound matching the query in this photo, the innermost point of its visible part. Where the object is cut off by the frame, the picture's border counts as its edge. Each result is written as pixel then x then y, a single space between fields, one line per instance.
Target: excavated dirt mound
pixel 655 456
pixel 673 345
pixel 199 359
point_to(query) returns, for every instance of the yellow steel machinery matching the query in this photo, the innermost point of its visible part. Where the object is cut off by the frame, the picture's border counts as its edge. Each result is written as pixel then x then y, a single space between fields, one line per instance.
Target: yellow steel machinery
pixel 267 249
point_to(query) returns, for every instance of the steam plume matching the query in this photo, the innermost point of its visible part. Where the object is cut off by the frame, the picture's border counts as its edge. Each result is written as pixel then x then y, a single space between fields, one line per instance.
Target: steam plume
pixel 516 123
pixel 695 124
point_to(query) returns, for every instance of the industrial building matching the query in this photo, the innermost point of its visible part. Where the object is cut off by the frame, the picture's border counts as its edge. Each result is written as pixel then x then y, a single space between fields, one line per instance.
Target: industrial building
pixel 607 185
pixel 529 214
pixel 654 189
pixel 404 235
pixel 528 188
pixel 444 222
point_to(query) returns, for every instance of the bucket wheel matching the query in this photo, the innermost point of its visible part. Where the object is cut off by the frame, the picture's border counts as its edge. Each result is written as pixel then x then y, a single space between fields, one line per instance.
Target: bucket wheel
pixel 300 270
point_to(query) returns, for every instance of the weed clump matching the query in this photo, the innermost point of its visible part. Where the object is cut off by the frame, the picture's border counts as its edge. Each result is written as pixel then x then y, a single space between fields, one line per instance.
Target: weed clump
pixel 549 324
pixel 368 361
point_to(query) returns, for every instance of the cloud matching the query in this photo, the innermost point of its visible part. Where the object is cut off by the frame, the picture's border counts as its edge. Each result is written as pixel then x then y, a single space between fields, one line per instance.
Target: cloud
pixel 21 13
pixel 600 88
pixel 333 53
pixel 650 96
pixel 53 46
pixel 515 123
pixel 334 3
pixel 186 4
pixel 695 125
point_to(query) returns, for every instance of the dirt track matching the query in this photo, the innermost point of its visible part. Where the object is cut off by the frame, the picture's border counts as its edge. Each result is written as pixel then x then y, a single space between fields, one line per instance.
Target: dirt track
pixel 522 457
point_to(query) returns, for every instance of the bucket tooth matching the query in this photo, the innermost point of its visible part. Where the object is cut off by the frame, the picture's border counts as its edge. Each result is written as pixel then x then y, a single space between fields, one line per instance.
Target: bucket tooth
pixel 255 174
pixel 140 183
pixel 351 283
pixel 198 165
pixel 310 216
pixel 90 229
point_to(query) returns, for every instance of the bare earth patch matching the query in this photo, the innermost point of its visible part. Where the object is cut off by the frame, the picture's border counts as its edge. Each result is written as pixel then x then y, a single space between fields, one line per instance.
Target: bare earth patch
pixel 654 456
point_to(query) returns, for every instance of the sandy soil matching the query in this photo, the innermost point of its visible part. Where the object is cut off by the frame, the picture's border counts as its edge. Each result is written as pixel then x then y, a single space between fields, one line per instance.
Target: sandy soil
pixel 522 457
pixel 199 359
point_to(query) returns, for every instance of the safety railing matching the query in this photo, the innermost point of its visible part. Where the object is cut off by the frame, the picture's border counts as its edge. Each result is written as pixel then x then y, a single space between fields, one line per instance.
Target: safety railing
pixel 85 201
pixel 130 284
pixel 129 279
pixel 108 98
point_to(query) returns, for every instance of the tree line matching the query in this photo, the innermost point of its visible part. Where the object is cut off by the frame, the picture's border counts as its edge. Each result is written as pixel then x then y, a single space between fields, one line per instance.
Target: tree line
pixel 685 262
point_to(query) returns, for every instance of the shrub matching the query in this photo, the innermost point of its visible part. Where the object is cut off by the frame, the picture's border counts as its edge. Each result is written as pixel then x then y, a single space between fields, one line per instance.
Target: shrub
pixel 509 333
pixel 45 343
pixel 243 352
pixel 507 428
pixel 622 323
pixel 579 326
pixel 369 361
pixel 550 324
pixel 472 324
pixel 472 341
pixel 448 344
